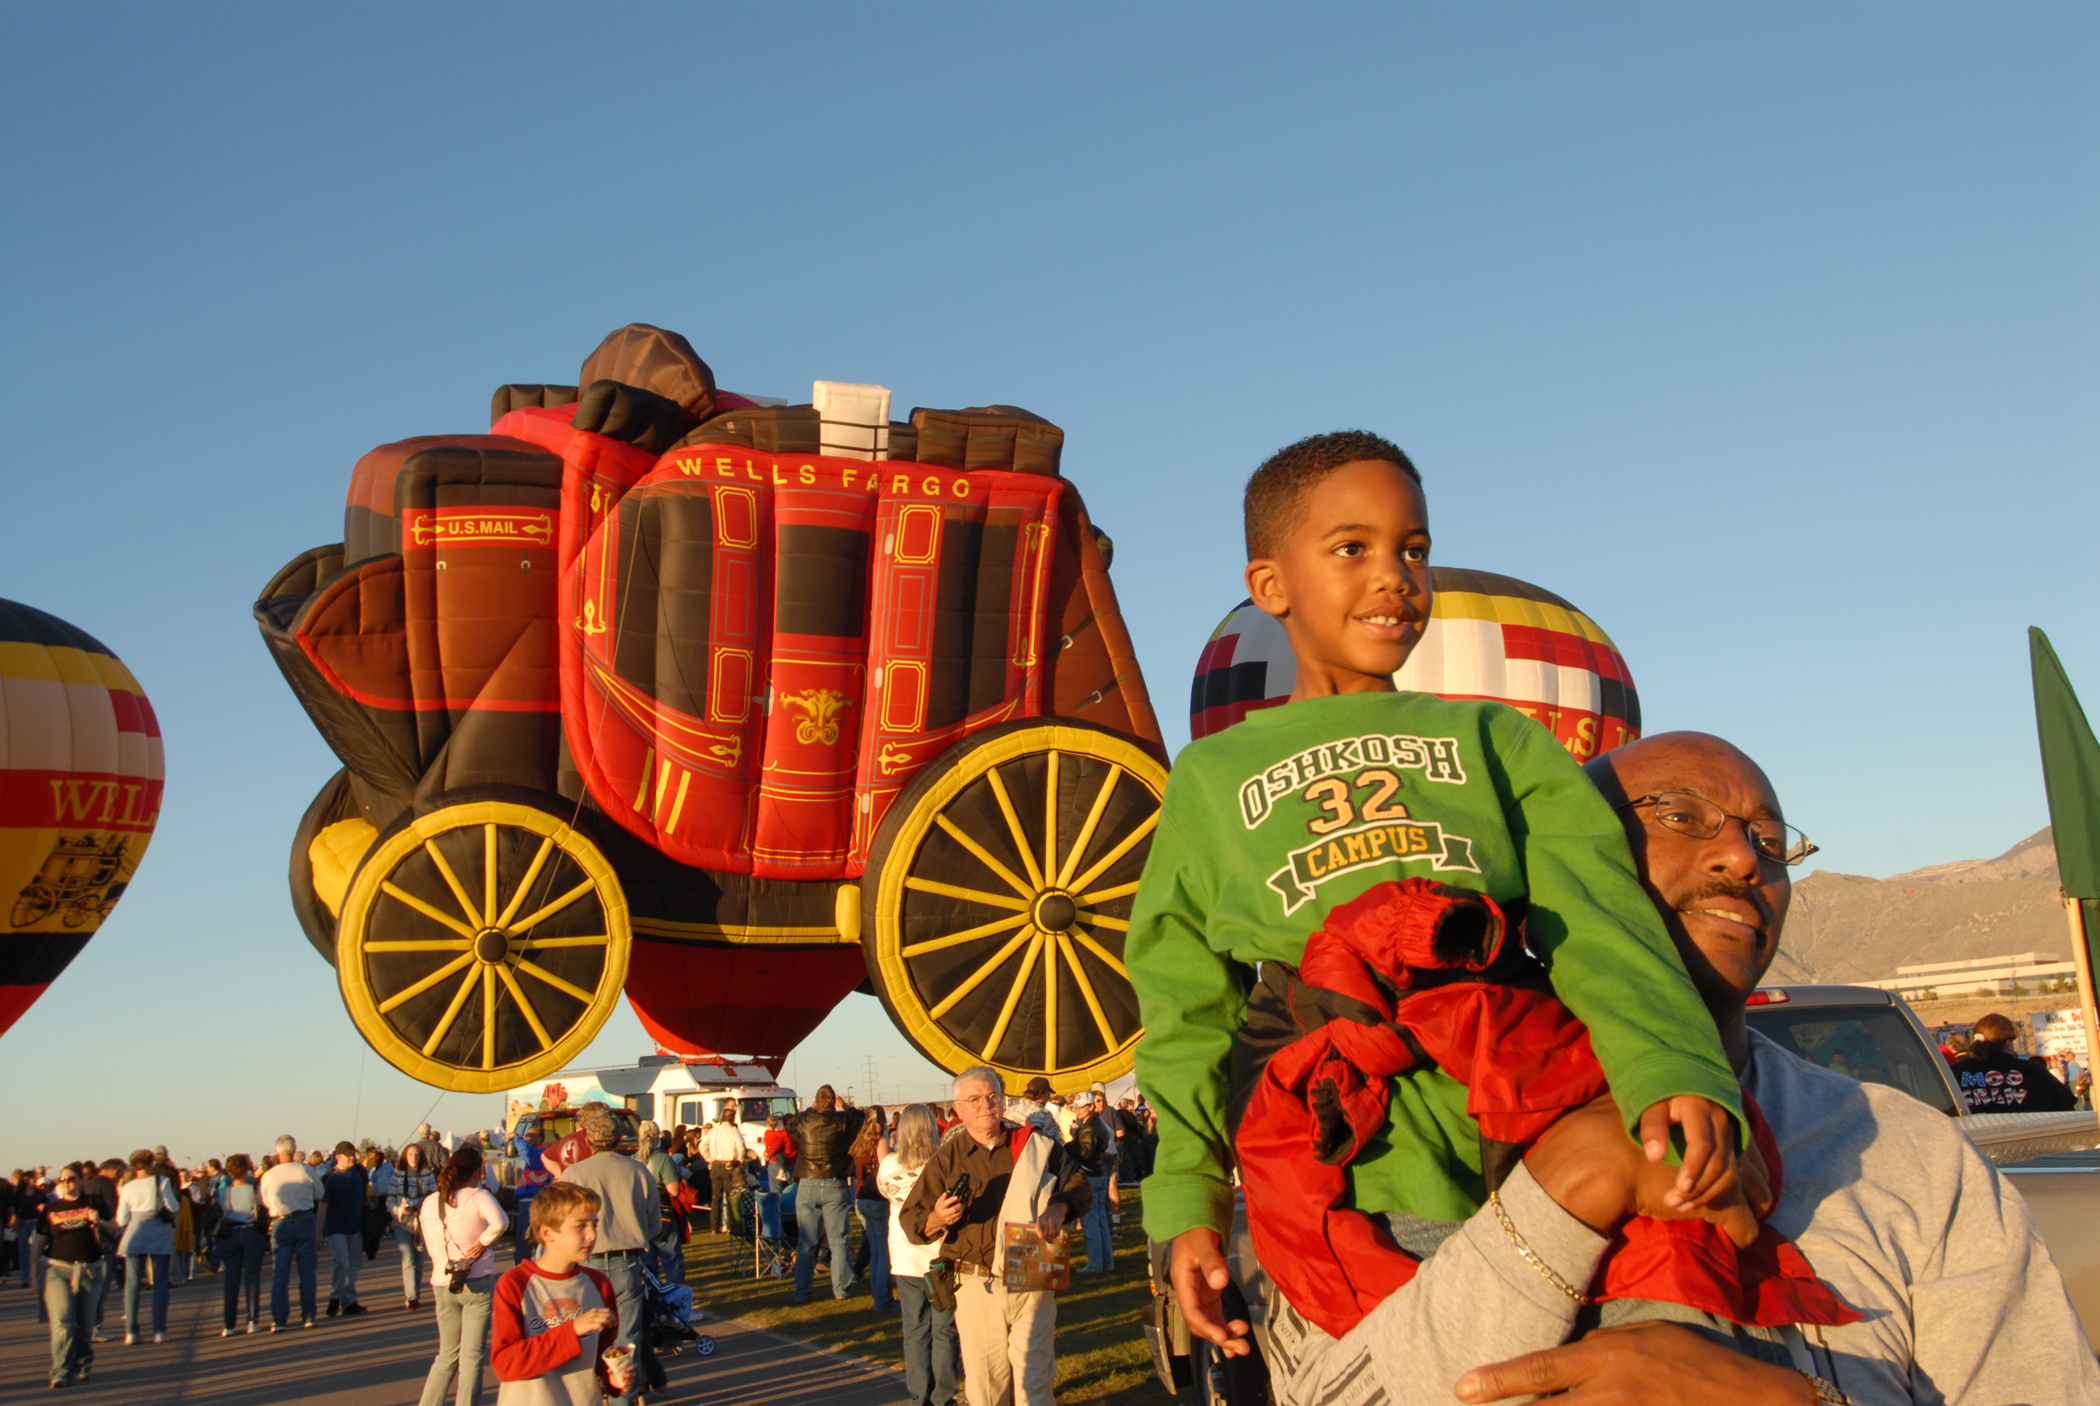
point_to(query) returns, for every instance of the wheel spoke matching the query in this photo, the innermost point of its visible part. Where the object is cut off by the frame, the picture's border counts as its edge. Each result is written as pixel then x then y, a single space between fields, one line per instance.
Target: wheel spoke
pixel 1086 940
pixel 1050 818
pixel 983 856
pixel 989 900
pixel 444 1025
pixel 1123 847
pixel 517 898
pixel 1013 827
pixel 534 944
pixel 1109 895
pixel 459 890
pixel 1102 920
pixel 517 993
pixel 410 993
pixel 977 977
pixel 524 925
pixel 957 939
pixel 435 944
pixel 1050 1004
pixel 488 1016
pixel 1013 997
pixel 488 874
pixel 1086 990
pixel 1093 818
pixel 396 892
pixel 534 969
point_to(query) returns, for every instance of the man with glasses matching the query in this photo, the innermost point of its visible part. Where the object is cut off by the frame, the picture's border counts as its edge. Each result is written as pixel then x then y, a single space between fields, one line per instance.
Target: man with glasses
pixel 71 1225
pixel 1017 1174
pixel 1892 1205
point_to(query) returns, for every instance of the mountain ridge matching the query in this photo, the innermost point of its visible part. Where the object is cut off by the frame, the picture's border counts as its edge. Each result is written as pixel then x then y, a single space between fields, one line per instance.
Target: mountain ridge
pixel 1847 927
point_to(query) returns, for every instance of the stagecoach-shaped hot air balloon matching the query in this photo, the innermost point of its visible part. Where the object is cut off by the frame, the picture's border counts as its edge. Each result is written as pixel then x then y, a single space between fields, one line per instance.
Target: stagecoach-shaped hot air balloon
pixel 1488 636
pixel 733 707
pixel 80 787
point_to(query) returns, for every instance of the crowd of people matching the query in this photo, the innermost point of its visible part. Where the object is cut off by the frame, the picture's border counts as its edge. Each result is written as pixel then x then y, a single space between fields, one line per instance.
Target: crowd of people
pixel 143 1226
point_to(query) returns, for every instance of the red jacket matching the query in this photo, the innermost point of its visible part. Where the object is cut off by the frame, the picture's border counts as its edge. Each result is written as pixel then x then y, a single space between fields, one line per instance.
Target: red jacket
pixel 1364 998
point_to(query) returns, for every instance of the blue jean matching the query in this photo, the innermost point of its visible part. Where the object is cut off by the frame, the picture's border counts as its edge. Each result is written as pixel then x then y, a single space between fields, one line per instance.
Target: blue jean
pixel 667 1258
pixel 1100 1238
pixel 241 1255
pixel 410 1244
pixel 134 1268
pixel 70 1291
pixel 875 1228
pixel 625 1272
pixel 932 1352
pixel 345 1249
pixel 292 1236
pixel 463 1344
pixel 822 1203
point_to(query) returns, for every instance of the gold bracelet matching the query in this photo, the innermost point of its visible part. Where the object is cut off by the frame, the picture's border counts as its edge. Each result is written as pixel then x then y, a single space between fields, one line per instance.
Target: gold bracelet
pixel 1531 1257
pixel 1827 1393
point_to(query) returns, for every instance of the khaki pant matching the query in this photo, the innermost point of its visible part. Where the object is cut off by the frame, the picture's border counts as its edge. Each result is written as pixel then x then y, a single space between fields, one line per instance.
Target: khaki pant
pixel 1005 1338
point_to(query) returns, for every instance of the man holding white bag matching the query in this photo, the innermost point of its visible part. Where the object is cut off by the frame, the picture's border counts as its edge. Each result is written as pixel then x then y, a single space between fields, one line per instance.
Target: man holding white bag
pixel 1015 1174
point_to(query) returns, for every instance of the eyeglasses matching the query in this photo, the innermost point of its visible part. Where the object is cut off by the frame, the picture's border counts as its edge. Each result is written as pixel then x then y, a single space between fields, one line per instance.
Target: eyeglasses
pixel 1700 818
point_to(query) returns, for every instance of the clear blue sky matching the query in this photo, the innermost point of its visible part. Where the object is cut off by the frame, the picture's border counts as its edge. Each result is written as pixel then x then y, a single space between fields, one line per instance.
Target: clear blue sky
pixel 1763 333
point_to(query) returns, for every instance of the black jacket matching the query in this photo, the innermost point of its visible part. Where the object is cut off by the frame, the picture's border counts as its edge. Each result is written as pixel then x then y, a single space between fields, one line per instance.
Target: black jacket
pixel 1999 1081
pixel 827 1142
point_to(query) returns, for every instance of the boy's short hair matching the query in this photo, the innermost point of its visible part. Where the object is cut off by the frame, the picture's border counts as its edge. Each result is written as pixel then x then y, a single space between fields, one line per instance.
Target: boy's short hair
pixel 557 1201
pixel 1275 501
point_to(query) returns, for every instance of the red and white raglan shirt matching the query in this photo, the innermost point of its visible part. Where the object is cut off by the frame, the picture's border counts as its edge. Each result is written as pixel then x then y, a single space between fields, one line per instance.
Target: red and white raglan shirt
pixel 541 1360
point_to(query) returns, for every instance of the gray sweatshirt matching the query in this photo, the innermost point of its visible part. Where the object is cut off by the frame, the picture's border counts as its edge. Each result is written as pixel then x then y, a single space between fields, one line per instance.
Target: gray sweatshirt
pixel 1895 1208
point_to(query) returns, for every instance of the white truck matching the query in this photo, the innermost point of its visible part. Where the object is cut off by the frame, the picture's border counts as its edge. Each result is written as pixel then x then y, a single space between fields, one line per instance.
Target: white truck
pixel 2051 1157
pixel 666 1088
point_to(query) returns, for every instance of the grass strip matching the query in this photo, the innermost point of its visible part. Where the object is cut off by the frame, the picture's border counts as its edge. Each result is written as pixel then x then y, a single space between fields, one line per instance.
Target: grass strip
pixel 1101 1353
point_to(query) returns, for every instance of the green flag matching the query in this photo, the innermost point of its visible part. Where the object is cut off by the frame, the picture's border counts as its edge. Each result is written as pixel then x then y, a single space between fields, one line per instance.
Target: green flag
pixel 2070 769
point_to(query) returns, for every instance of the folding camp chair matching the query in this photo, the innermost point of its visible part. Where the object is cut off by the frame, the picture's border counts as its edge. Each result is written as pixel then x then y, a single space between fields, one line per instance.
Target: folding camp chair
pixel 772 1253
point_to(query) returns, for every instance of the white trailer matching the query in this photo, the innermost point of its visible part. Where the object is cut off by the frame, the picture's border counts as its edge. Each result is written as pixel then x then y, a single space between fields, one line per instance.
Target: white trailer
pixel 667 1089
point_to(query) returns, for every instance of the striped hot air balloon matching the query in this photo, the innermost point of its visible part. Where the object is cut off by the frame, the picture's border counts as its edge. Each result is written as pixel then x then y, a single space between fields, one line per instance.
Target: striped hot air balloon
pixel 1489 636
pixel 80 785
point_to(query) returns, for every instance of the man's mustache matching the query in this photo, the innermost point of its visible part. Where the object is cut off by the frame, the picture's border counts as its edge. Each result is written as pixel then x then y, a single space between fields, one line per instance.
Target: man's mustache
pixel 1728 888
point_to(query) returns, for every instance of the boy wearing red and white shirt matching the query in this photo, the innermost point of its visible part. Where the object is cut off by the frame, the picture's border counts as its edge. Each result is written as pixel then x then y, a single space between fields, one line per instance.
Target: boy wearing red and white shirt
pixel 551 1314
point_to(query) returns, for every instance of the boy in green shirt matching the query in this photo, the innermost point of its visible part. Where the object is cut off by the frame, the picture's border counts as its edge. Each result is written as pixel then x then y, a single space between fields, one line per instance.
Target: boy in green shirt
pixel 1270 824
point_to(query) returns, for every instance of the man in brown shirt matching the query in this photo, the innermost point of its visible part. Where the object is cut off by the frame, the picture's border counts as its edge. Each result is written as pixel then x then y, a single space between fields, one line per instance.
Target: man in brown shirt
pixel 1005 1335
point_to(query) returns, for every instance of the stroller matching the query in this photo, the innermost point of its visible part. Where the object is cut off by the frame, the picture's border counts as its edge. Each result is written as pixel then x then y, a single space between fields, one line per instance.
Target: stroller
pixel 667 1327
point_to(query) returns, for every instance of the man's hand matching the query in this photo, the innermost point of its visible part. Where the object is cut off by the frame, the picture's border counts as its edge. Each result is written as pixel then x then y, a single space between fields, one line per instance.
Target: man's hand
pixel 1709 1148
pixel 1051 1222
pixel 591 1320
pixel 1200 1277
pixel 1653 1364
pixel 946 1212
pixel 1598 1175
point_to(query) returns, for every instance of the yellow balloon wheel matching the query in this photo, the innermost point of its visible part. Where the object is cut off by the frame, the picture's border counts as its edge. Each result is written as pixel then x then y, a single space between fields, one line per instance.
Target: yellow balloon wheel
pixel 481 946
pixel 1001 891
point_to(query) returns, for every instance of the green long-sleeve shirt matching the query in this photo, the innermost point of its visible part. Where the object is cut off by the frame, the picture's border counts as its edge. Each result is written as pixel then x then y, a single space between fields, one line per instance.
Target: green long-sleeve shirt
pixel 1276 820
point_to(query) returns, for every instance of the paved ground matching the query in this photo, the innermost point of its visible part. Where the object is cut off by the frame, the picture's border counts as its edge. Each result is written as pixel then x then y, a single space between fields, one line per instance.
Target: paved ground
pixel 380 1357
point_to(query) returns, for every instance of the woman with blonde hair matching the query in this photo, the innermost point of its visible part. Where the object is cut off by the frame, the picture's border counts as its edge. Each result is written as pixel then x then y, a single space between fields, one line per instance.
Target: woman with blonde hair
pixel 870 1146
pixel 146 1212
pixel 932 1352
